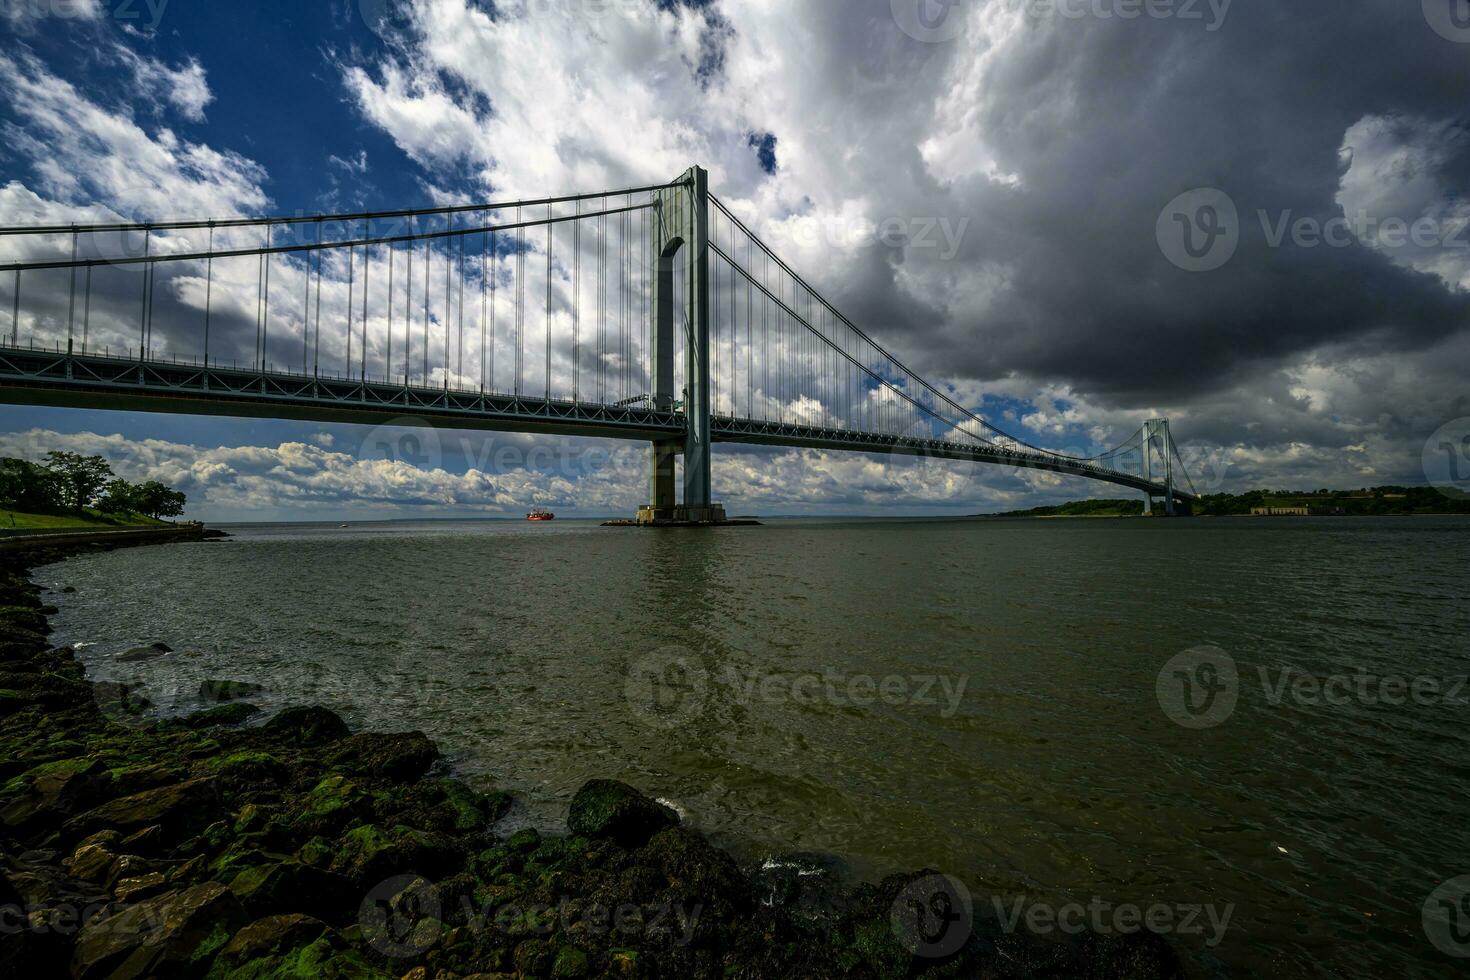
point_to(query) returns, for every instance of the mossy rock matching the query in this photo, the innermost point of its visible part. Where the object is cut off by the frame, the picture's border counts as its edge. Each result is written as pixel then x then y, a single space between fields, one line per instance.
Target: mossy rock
pixel 534 957
pixel 524 841
pixel 607 808
pixel 880 949
pixel 248 766
pixel 331 804
pixel 224 715
pixel 226 690
pixel 308 726
pixel 570 962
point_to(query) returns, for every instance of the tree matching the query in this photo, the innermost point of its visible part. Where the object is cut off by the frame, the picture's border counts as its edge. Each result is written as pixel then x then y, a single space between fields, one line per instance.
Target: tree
pixel 25 486
pixel 121 497
pixel 82 477
pixel 158 500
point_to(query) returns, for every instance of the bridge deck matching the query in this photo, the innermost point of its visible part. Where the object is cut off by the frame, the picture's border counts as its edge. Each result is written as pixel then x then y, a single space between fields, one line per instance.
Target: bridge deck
pixel 33 376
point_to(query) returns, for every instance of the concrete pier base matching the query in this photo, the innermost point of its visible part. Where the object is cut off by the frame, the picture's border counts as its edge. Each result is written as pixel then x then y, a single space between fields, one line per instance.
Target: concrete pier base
pixel 681 516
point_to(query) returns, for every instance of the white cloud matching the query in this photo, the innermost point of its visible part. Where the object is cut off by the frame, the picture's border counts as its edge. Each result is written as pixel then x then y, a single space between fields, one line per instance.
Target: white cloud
pixel 95 163
pixel 185 88
pixel 23 14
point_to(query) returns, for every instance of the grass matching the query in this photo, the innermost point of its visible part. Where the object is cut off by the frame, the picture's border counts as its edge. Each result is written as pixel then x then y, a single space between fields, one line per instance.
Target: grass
pixel 89 519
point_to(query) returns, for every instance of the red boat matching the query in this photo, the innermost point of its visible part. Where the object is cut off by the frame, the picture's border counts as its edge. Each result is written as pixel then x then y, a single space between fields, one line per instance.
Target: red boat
pixel 540 514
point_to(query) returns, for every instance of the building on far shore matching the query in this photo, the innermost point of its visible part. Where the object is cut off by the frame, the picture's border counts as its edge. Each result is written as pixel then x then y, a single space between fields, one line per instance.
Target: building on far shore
pixel 1302 511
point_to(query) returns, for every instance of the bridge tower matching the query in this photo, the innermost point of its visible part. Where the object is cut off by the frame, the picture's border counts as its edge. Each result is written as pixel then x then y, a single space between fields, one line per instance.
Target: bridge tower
pixel 1156 431
pixel 681 221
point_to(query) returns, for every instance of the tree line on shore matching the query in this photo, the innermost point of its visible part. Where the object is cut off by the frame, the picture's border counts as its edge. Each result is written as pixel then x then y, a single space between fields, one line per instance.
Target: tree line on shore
pixel 1367 502
pixel 70 483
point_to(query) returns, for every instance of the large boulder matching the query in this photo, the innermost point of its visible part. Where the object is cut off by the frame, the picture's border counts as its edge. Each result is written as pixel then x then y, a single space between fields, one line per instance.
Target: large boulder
pixel 184 808
pixel 51 792
pixel 177 933
pixel 308 726
pixel 227 690
pixel 236 713
pixel 607 808
pixel 402 758
pixel 271 936
pixel 290 886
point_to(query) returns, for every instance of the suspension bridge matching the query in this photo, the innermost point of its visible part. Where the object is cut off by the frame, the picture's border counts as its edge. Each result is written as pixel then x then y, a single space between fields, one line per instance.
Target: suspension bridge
pixel 648 313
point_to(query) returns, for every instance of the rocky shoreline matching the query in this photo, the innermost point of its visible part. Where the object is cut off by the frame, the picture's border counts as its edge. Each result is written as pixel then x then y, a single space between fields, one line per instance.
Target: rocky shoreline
pixel 213 846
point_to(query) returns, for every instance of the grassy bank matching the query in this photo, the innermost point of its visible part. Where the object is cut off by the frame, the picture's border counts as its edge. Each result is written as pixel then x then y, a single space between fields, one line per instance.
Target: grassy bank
pixel 87 520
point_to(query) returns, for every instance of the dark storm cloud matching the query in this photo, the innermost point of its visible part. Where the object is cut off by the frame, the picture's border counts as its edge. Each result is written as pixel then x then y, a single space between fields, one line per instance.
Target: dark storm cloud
pixel 1106 120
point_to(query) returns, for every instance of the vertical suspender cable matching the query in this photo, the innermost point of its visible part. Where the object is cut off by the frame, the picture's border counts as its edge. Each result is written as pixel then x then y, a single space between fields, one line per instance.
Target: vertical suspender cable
pixel 448 296
pixel 484 269
pixel 143 311
pixel 87 310
pixel 71 307
pixel 428 278
pixel 408 319
pixel 520 301
pixel 388 358
pixel 351 284
pixel 316 346
pixel 459 358
pixel 494 275
pixel 265 319
pixel 576 305
pixel 367 265
pixel 208 293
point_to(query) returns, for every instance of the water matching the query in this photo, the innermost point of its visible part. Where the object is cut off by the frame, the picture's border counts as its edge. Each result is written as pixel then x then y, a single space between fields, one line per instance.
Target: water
pixel 1053 772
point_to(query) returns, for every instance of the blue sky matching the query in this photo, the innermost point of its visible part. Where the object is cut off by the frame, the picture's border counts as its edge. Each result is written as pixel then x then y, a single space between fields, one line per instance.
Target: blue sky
pixel 275 107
